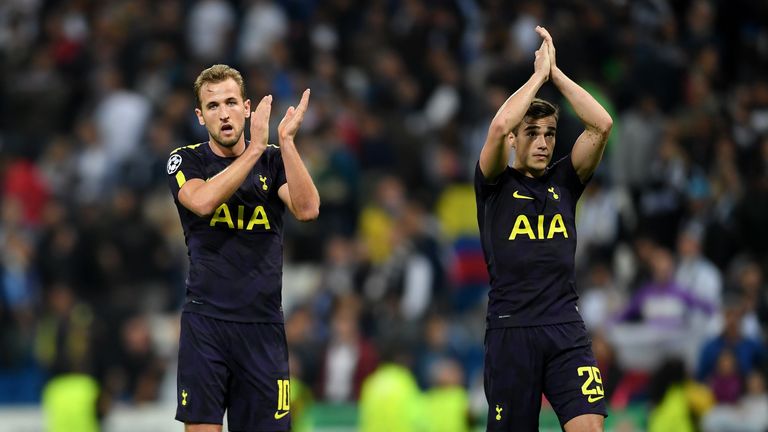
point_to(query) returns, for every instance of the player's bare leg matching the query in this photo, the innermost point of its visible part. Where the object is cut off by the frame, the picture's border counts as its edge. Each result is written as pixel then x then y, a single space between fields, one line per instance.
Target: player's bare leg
pixel 585 423
pixel 201 427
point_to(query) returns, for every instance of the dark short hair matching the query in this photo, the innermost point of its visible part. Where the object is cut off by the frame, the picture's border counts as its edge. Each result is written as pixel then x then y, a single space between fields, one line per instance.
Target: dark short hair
pixel 216 74
pixel 538 110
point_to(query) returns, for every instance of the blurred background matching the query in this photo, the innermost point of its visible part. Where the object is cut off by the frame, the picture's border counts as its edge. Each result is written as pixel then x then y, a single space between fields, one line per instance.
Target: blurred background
pixel 384 295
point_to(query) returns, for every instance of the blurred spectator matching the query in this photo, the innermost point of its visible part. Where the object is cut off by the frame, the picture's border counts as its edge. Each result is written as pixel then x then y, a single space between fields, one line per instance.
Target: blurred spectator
pixel 65 349
pixel 749 354
pixel 446 402
pixel 119 117
pixel 64 337
pixel 349 358
pixel 657 318
pixel 697 275
pixel 24 183
pixel 726 379
pixel 336 173
pixel 662 302
pixel 264 23
pixel 209 30
pixel 92 165
pixel 19 285
pixel 670 410
pixel 390 399
pixel 641 130
pixel 301 334
pixel 721 242
pixel 597 221
pixel 661 202
pixel 136 374
pixel 750 283
pixel 676 402
pixel 70 404
pixel 35 80
pixel 752 209
pixel 59 251
pixel 750 414
pixel 413 270
pixel 58 166
pixel 145 169
pixel 377 218
pixel 600 299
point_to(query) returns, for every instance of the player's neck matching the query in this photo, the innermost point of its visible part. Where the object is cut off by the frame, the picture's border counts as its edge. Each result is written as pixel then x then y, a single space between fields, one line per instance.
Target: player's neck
pixel 527 171
pixel 224 151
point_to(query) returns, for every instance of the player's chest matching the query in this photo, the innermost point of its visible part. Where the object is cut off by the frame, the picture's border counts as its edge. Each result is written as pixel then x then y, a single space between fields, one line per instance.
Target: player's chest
pixel 533 212
pixel 257 188
pixel 544 198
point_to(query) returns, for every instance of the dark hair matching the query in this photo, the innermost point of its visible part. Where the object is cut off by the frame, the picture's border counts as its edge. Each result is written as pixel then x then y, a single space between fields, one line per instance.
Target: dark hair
pixel 538 110
pixel 216 74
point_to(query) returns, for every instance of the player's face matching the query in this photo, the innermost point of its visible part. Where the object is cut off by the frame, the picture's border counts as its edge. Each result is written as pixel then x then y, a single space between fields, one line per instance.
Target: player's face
pixel 534 144
pixel 223 111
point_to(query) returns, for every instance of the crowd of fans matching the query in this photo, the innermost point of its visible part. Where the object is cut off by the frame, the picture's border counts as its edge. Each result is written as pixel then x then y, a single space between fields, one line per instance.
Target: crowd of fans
pixel 673 238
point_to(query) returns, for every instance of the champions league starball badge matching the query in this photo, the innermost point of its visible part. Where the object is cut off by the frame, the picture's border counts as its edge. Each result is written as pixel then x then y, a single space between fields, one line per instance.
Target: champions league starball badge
pixel 174 162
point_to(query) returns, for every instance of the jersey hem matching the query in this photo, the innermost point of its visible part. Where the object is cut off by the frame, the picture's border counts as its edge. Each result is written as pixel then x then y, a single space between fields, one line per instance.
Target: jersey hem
pixel 511 321
pixel 205 310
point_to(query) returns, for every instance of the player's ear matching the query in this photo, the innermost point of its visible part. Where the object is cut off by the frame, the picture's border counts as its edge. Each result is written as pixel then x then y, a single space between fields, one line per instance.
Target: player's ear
pixel 511 139
pixel 247 105
pixel 199 114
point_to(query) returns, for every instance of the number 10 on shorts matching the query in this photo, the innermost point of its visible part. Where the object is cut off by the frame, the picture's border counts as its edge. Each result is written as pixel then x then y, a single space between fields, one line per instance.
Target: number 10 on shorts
pixel 595 393
pixel 284 394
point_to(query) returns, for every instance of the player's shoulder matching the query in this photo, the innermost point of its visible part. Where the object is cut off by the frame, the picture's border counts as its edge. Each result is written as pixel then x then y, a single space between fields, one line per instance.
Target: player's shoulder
pixel 192 153
pixel 188 149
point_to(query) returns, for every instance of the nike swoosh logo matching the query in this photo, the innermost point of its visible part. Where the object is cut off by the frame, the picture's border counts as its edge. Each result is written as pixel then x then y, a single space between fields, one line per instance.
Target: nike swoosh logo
pixel 279 415
pixel 517 195
pixel 590 398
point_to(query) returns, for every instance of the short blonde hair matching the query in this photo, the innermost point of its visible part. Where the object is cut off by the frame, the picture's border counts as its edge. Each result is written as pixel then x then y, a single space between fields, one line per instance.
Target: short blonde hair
pixel 216 74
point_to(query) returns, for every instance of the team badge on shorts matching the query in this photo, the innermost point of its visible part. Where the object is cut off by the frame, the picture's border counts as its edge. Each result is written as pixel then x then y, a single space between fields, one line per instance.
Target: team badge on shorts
pixel 174 162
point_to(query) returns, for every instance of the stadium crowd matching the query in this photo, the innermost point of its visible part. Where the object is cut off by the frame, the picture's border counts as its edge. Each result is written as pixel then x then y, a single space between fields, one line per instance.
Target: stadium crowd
pixel 673 228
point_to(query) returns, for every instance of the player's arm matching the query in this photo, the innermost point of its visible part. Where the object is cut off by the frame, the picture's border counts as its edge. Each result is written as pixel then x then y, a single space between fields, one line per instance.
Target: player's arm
pixel 494 156
pixel 589 147
pixel 202 197
pixel 299 192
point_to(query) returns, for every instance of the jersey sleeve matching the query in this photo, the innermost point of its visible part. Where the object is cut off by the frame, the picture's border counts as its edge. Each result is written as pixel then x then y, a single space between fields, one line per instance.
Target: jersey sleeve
pixel 183 165
pixel 277 167
pixel 484 187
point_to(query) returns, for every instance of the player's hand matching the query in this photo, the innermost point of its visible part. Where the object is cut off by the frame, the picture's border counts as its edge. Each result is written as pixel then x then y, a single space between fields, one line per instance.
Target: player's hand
pixel 550 45
pixel 260 125
pixel 289 125
pixel 541 64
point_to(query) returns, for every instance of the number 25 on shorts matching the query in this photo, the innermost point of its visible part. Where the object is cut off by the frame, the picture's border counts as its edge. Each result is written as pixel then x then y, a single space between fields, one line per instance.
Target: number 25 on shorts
pixel 595 393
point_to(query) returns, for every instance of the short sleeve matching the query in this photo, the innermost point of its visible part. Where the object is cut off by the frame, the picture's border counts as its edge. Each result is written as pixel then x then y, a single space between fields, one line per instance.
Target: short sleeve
pixel 277 167
pixel 482 186
pixel 183 165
